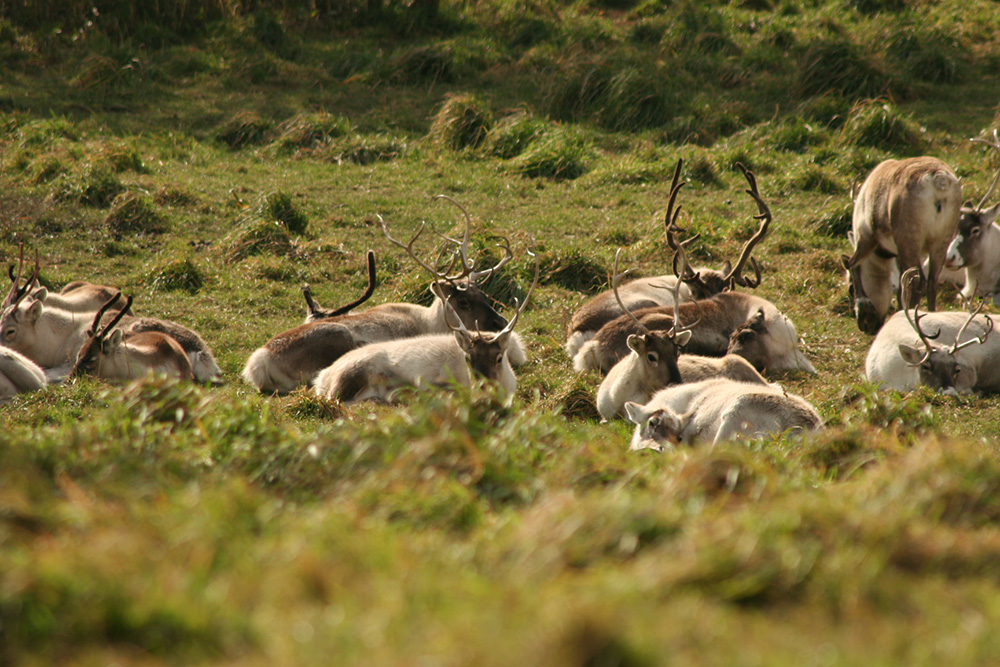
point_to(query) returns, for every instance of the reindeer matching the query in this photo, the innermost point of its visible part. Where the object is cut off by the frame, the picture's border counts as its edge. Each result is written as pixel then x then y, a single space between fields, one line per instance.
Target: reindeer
pixel 696 284
pixel 18 374
pixel 717 410
pixel 316 312
pixel 958 358
pixel 374 371
pixel 109 355
pixel 729 322
pixel 905 210
pixel 52 337
pixel 76 297
pixel 294 357
pixel 976 246
pixel 651 365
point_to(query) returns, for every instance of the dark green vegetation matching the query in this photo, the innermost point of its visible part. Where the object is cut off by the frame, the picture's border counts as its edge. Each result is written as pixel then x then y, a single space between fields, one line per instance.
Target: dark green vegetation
pixel 211 159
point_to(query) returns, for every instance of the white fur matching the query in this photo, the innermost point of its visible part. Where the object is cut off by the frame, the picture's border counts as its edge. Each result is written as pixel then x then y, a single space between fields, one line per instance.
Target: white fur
pixel 432 359
pixel 978 364
pixel 18 374
pixel 718 410
pixel 981 276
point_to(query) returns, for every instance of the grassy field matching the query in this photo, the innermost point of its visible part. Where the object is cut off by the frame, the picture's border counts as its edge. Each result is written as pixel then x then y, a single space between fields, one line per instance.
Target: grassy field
pixel 212 161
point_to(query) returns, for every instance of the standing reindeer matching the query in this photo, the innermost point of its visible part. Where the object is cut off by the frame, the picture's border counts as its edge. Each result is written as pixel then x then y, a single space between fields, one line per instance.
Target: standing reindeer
pixel 651 365
pixel 373 371
pixel 958 358
pixel 109 355
pixel 653 291
pixel 294 357
pixel 905 210
pixel 976 246
pixel 716 411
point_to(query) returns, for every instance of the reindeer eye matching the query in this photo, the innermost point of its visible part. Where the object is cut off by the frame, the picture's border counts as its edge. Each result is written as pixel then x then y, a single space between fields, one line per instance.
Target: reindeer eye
pixel 10 333
pixel 974 232
pixel 499 359
pixel 652 357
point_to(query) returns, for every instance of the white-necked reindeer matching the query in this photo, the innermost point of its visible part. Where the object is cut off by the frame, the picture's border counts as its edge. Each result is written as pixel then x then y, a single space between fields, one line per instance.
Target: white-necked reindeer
pixel 976 247
pixel 958 358
pixel 716 411
pixel 109 355
pixel 317 312
pixel 905 210
pixel 374 371
pixel 648 292
pixel 294 357
pixel 18 374
pixel 651 364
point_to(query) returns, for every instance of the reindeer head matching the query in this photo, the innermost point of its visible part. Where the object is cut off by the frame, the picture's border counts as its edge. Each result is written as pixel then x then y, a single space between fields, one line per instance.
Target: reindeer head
pixel 657 350
pixel 749 341
pixel 485 352
pixel 462 289
pixel 102 342
pixel 655 429
pixel 974 221
pixel 939 367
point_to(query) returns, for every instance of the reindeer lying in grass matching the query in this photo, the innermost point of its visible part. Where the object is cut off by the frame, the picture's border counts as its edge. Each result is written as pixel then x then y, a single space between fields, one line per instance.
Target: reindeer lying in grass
pixel 716 411
pixel 374 371
pixel 52 337
pixel 958 358
pixel 294 357
pixel 110 355
pixel 691 283
pixel 76 297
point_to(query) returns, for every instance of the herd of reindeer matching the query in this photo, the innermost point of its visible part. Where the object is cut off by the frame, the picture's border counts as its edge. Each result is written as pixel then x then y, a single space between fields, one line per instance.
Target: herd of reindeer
pixel 681 354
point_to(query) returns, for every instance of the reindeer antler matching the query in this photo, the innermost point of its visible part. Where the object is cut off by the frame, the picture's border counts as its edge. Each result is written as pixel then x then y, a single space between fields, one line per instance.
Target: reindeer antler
pixel 94 328
pixel 956 346
pixel 314 307
pixel 904 296
pixel 994 144
pixel 519 307
pixel 615 279
pixel 735 276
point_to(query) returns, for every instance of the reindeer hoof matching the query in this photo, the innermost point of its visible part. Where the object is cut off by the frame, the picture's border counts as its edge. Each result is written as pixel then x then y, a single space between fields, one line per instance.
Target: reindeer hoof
pixel 869 321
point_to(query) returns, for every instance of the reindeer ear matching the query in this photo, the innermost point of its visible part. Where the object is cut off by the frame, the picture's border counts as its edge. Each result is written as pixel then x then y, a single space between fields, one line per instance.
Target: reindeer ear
pixel 636 343
pixel 727 267
pixel 34 310
pixel 40 294
pixel 503 340
pixel 635 413
pixel 990 214
pixel 437 291
pixel 115 339
pixel 911 355
pixel 463 339
pixel 682 338
pixel 757 321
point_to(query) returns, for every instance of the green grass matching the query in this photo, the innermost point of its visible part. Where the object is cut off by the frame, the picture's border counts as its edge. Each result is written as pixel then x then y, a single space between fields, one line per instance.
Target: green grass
pixel 211 164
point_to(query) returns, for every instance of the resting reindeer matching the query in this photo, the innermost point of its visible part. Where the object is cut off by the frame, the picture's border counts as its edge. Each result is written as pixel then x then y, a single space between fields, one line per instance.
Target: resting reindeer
pixel 976 247
pixel 696 284
pixel 905 210
pixel 294 357
pixel 317 312
pixel 18 374
pixel 76 297
pixel 52 337
pixel 957 358
pixel 651 365
pixel 372 372
pixel 730 322
pixel 109 355
pixel 716 411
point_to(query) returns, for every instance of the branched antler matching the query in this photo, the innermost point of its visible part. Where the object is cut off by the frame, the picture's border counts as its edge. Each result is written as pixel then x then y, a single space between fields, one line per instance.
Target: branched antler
pixel 908 277
pixel 996 145
pixel 735 276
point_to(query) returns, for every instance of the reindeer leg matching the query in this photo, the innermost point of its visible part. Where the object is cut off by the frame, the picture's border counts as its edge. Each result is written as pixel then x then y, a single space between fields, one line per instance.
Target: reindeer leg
pixel 863 269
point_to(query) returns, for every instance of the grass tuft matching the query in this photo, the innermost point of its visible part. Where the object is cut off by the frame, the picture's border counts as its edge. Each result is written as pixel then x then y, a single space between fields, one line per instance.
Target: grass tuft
pixel 134 214
pixel 176 275
pixel 96 186
pixel 245 129
pixel 560 154
pixel 310 129
pixel 463 121
pixel 573 270
pixel 838 66
pixel 878 124
pixel 513 134
pixel 279 207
